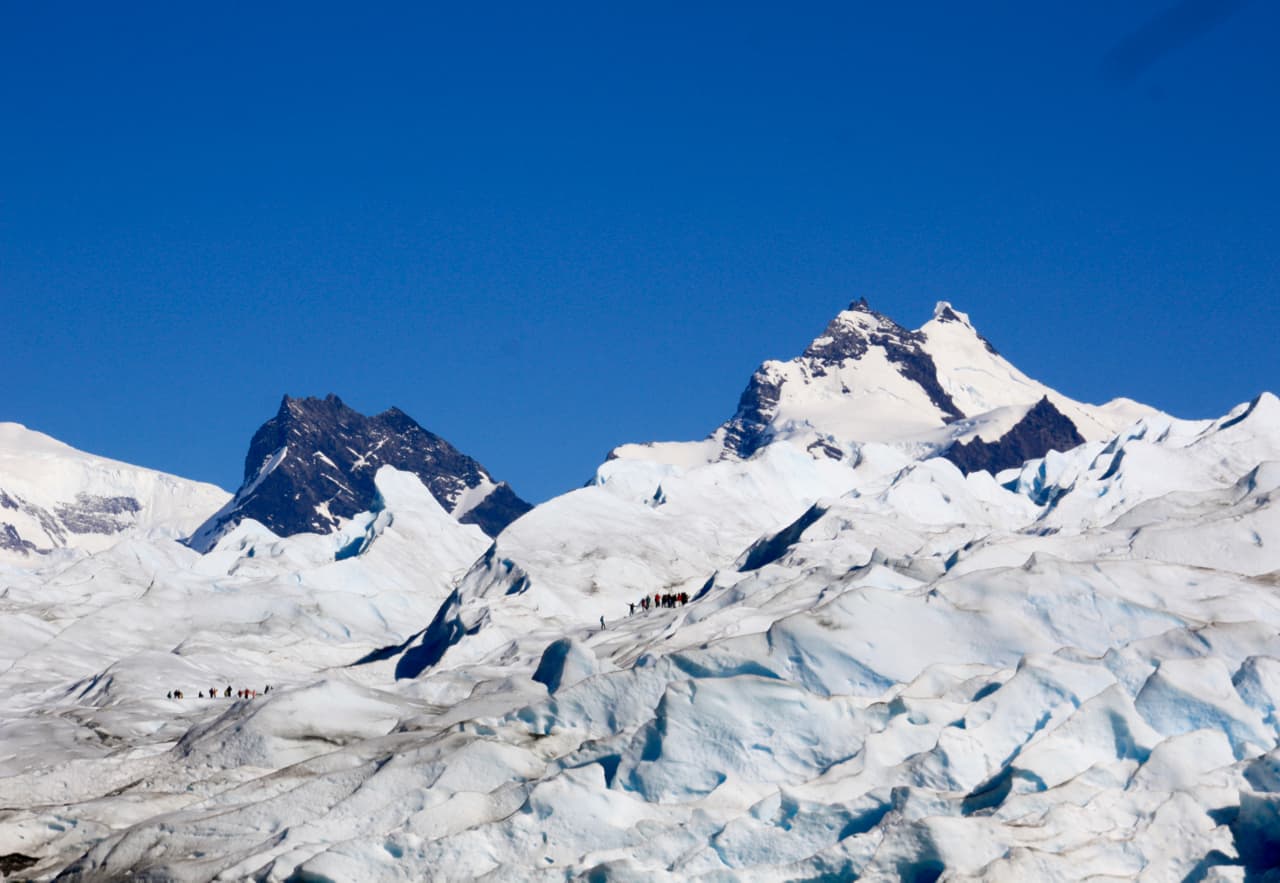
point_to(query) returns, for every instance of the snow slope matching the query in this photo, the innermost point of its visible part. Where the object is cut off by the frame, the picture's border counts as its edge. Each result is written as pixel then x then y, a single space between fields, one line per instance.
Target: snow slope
pixel 55 497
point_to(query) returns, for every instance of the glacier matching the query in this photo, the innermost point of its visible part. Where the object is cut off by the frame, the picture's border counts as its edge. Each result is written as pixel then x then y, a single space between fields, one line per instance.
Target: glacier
pixel 888 669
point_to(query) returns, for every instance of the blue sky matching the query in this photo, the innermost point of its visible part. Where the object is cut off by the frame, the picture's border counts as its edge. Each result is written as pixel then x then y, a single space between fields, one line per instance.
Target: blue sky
pixel 545 232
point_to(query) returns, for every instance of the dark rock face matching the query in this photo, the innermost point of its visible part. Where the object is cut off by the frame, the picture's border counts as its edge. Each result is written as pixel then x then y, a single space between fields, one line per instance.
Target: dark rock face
pixel 315 461
pixel 95 514
pixel 826 448
pixel 748 431
pixel 1042 429
pixel 13 862
pixel 497 510
pixel 946 314
pixel 842 340
pixel 12 541
pixel 839 340
pixel 917 365
pixel 89 514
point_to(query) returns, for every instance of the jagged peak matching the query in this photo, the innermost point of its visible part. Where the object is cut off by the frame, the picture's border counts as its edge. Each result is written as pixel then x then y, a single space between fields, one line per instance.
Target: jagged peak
pixel 313 409
pixel 861 314
pixel 848 334
pixel 293 408
pixel 314 463
pixel 945 314
pixel 402 422
pixel 943 311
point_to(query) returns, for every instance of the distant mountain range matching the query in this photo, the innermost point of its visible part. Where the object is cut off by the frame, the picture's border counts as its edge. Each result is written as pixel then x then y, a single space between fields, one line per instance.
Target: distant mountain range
pixel 940 390
pixel 308 469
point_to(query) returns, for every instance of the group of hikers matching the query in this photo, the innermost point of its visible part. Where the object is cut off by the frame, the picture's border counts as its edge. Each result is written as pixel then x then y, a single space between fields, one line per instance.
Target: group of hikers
pixel 671 599
pixel 246 693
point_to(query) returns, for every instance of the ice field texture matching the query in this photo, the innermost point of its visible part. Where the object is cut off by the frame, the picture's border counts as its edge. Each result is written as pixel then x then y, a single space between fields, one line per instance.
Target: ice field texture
pixel 887 667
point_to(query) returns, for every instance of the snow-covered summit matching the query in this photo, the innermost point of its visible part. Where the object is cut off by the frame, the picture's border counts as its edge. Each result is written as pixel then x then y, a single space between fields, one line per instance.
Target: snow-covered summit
pixel 313 464
pixel 868 379
pixel 53 496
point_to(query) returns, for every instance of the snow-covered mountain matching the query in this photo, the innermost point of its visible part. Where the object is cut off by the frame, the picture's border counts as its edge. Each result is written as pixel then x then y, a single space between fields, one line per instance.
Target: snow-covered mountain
pixel 868 379
pixel 53 497
pixel 313 465
pixel 897 660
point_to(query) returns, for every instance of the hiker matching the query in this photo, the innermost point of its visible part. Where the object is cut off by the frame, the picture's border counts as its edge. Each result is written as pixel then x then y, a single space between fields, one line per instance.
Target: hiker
pixel 268 690
pixel 200 695
pixel 632 608
pixel 602 622
pixel 169 695
pixel 177 694
pixel 228 694
pixel 213 692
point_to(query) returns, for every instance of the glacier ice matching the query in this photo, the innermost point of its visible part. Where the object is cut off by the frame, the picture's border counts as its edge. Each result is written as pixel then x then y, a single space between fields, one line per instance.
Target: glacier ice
pixel 887 669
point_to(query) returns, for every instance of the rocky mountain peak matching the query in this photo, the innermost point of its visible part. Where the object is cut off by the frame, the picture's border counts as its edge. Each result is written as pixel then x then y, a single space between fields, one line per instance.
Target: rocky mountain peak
pixel 847 339
pixel 848 335
pixel 867 378
pixel 314 462
pixel 945 314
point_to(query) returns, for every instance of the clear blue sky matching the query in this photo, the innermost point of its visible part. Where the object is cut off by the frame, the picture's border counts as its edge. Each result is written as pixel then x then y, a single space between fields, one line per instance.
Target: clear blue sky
pixel 546 231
